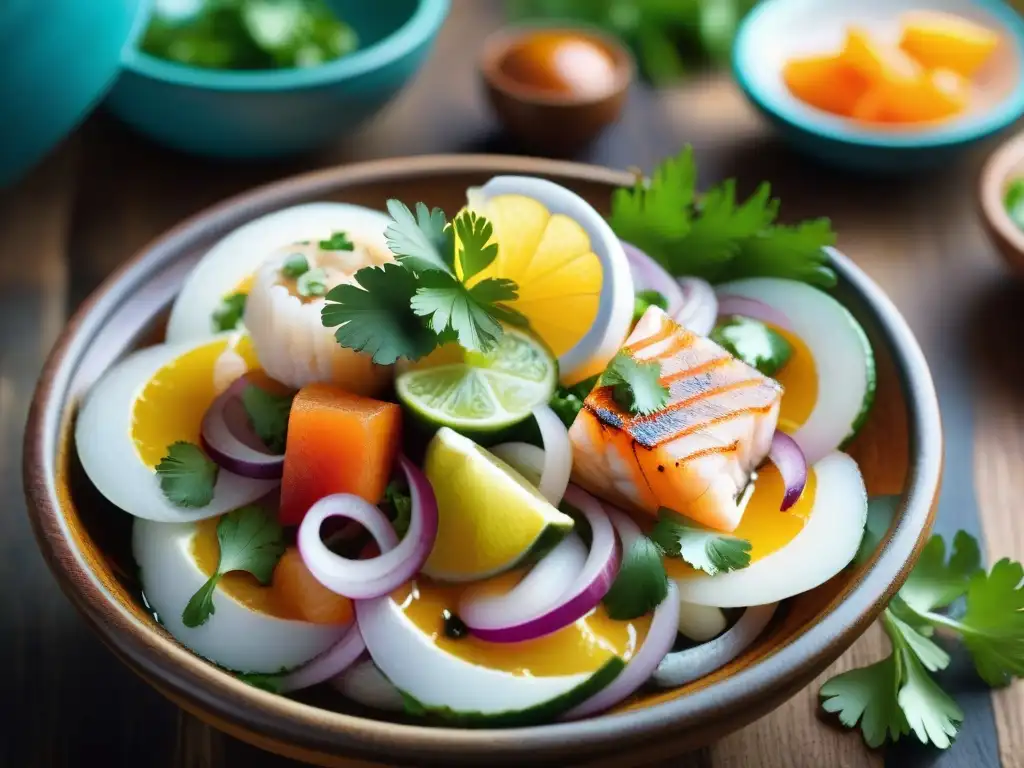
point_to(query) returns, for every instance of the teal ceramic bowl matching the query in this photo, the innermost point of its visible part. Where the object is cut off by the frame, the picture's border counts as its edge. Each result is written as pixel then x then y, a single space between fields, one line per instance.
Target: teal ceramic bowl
pixel 233 114
pixel 778 29
pixel 57 58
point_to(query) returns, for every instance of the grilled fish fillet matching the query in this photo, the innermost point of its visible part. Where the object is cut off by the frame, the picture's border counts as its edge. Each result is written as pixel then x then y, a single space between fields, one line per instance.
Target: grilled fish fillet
pixel 694 456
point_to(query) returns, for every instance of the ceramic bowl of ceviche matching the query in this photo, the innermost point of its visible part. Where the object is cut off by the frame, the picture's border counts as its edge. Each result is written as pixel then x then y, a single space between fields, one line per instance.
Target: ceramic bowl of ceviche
pixel 459 459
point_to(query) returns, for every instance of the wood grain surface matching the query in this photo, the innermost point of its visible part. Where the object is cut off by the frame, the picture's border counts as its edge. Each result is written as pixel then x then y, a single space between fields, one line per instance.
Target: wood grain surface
pixel 105 193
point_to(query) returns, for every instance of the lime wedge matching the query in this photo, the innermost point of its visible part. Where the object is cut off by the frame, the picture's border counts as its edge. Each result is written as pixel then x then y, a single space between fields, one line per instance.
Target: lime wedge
pixel 490 518
pixel 473 392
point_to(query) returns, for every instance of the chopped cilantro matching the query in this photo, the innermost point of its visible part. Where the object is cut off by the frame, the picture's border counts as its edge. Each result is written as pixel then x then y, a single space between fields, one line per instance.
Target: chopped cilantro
pixel 635 385
pixel 250 539
pixel 754 343
pixel 400 502
pixel 338 241
pixel 312 283
pixel 268 414
pixel 568 401
pixel 643 300
pixel 641 583
pixel 187 476
pixel 705 550
pixel 295 265
pixel 1014 201
pixel 228 315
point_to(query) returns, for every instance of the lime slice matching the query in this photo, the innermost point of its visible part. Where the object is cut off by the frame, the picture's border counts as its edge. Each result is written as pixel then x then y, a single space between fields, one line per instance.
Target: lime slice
pixel 490 518
pixel 478 393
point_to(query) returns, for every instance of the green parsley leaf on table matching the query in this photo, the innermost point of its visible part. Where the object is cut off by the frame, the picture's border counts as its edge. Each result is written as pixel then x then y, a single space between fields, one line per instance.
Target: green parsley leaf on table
pixel 229 314
pixel 250 539
pixel 375 316
pixel 268 414
pixel 187 475
pixel 400 502
pixel 706 550
pixel 312 283
pixel 754 343
pixel 934 583
pixel 473 234
pixel 993 624
pixel 295 265
pixel 635 385
pixel 641 583
pixel 932 715
pixel 868 694
pixel 338 241
pixel 423 242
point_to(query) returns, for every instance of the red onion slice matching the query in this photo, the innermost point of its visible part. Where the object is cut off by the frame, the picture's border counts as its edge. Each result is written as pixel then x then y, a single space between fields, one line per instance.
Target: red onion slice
pixel 512 618
pixel 228 437
pixel 700 306
pixel 684 667
pixel 786 455
pixel 638 671
pixel 328 664
pixel 756 310
pixel 554 477
pixel 399 562
pixel 650 275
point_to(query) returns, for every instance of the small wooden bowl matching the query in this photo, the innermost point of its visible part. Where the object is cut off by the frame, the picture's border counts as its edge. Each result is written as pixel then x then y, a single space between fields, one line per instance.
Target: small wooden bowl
pixel 542 120
pixel 1004 165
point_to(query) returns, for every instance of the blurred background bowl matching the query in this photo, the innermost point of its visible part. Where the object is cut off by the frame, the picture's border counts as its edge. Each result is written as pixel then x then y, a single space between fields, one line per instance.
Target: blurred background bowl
pixel 778 29
pixel 259 114
pixel 1004 166
pixel 57 58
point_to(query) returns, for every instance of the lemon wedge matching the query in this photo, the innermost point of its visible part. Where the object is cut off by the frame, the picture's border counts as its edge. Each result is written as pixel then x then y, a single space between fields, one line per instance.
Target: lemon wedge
pixel 574 282
pixel 490 518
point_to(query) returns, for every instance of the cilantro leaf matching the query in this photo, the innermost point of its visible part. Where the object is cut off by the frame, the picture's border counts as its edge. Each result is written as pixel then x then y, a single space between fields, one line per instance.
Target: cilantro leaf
pixel 932 715
pixel 295 265
pixel 754 343
pixel 338 241
pixel 868 694
pixel 641 583
pixel 376 317
pixel 791 252
pixel 881 511
pixel 423 242
pixel 935 584
pixel 636 386
pixel 401 506
pixel 993 624
pixel 928 653
pixel 495 290
pixel 568 401
pixel 643 300
pixel 704 549
pixel 187 476
pixel 472 233
pixel 448 304
pixel 312 283
pixel 229 314
pixel 268 414
pixel 251 540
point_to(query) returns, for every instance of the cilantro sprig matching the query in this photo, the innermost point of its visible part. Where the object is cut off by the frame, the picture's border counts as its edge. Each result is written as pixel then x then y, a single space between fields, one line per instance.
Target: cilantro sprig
pixel 703 549
pixel 430 295
pixel 636 385
pixel 897 696
pixel 187 475
pixel 715 236
pixel 250 539
pixel 228 315
pixel 641 583
pixel 268 414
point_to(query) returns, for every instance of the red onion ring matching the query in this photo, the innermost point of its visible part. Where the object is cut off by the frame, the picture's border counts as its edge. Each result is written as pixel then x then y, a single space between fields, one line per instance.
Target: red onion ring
pixel 512 618
pixel 786 455
pixel 700 306
pixel 638 671
pixel 650 275
pixel 399 562
pixel 328 664
pixel 756 310
pixel 229 439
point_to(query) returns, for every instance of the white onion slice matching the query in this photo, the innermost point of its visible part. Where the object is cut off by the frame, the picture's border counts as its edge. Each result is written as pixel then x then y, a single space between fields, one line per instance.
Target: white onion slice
pixel 684 667
pixel 700 306
pixel 515 616
pixel 656 645
pixel 328 664
pixel 701 623
pixel 397 563
pixel 526 459
pixel 366 685
pixel 729 304
pixel 554 477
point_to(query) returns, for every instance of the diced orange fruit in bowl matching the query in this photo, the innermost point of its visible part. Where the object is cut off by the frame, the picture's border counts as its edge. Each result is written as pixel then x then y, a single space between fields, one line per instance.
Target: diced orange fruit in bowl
pixel 942 40
pixel 825 82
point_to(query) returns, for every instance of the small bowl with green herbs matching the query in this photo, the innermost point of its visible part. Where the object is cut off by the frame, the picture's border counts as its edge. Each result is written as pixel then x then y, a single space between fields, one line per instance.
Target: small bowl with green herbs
pixel 264 78
pixel 1001 199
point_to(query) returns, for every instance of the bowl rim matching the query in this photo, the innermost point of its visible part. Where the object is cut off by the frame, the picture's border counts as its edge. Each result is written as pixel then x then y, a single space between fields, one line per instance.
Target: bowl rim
pixel 835 128
pixel 186 677
pixel 992 189
pixel 422 25
pixel 499 42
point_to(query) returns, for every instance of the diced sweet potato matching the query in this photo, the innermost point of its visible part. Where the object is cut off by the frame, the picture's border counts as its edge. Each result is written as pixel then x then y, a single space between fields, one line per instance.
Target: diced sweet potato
pixel 825 82
pixel 337 443
pixel 943 40
pixel 307 598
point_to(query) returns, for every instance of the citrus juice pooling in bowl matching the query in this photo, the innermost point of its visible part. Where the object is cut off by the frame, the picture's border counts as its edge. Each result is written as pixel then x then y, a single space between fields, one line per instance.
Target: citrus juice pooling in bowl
pixel 506 465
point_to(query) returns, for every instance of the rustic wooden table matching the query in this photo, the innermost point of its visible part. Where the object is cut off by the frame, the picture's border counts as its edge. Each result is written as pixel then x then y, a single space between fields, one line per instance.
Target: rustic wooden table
pixel 106 193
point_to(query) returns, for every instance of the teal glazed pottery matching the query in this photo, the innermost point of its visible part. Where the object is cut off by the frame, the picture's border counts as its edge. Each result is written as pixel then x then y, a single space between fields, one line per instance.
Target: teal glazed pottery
pixel 778 29
pixel 247 114
pixel 58 58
